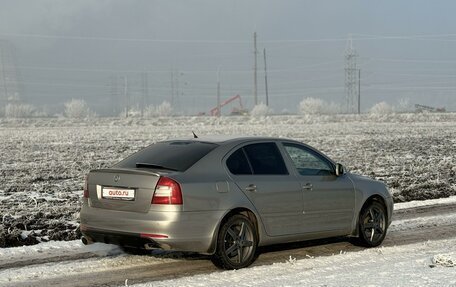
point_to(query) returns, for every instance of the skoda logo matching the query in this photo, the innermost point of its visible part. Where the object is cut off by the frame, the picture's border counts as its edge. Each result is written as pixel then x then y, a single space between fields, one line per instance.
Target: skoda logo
pixel 116 178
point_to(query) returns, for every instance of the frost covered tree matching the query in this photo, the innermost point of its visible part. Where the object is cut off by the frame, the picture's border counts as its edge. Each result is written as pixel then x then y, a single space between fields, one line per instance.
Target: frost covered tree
pixel 77 109
pixel 19 111
pixel 164 109
pixel 261 110
pixel 381 108
pixel 150 111
pixel 312 106
pixel 404 105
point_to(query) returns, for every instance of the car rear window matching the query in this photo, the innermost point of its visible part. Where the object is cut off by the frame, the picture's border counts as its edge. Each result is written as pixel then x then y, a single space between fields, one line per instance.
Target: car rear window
pixel 172 155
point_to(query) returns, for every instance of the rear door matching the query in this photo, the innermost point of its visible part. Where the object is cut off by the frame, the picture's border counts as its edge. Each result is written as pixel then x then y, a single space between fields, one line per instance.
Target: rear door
pixel 328 200
pixel 259 170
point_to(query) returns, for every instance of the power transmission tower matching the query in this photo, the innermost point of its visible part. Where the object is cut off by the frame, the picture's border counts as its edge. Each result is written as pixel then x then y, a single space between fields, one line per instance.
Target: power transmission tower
pixel 351 78
pixel 255 80
pixel 9 74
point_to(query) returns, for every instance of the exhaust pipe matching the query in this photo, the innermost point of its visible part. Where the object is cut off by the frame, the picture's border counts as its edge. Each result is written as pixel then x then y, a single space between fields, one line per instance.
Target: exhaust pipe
pixel 86 240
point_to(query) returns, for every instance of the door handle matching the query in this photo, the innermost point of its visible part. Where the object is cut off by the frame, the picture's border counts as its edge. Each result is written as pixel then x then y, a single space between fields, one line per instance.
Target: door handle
pixel 307 186
pixel 251 188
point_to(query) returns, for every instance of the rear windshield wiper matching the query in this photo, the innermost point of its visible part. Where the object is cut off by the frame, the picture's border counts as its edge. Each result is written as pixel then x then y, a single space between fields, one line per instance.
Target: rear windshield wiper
pixel 151 165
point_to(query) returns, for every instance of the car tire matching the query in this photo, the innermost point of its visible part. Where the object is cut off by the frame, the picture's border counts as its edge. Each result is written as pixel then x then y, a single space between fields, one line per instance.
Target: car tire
pixel 372 224
pixel 236 244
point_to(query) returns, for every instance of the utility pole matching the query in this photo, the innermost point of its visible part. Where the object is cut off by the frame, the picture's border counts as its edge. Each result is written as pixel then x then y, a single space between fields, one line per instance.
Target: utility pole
pixel 127 99
pixel 255 53
pixel 172 87
pixel 178 91
pixel 145 92
pixel 266 77
pixel 115 95
pixel 359 91
pixel 219 112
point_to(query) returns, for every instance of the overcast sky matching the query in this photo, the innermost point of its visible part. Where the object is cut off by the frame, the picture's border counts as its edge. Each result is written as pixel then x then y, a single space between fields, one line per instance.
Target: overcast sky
pixel 74 49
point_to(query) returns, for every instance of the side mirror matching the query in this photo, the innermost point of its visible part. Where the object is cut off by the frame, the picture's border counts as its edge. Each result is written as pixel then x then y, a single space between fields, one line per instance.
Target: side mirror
pixel 340 170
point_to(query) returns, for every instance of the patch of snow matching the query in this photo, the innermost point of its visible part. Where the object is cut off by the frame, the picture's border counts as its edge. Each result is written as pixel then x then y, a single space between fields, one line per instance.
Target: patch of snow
pixel 417 203
pixel 54 248
pixel 421 222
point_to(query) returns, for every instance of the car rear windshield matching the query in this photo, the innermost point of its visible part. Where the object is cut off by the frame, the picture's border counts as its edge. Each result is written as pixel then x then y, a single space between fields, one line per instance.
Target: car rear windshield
pixel 172 155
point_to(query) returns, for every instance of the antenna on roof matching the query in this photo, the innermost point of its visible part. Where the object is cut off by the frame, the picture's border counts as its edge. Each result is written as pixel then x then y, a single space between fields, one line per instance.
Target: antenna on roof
pixel 194 135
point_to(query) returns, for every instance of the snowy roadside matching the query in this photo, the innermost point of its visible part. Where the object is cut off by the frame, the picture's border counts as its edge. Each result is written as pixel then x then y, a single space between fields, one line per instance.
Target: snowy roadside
pixel 406 265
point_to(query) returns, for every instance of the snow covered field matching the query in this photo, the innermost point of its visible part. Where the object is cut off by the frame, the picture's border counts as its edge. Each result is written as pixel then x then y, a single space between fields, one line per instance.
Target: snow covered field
pixel 43 161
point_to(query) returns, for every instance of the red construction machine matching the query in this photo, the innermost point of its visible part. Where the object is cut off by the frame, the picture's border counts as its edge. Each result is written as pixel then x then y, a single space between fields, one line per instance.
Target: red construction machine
pixel 239 110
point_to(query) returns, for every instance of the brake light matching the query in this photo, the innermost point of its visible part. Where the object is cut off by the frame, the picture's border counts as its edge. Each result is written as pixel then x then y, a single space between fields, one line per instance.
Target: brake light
pixel 86 187
pixel 167 191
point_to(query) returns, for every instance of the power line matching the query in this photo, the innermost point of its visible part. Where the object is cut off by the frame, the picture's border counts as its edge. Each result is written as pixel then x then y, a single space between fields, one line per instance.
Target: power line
pixel 442 61
pixel 164 71
pixel 411 88
pixel 426 37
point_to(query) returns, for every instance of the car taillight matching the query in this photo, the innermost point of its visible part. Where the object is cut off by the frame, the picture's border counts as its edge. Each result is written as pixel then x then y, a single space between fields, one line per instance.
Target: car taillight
pixel 167 191
pixel 86 187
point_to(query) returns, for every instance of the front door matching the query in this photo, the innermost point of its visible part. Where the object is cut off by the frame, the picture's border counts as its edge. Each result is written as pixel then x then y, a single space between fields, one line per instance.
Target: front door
pixel 328 200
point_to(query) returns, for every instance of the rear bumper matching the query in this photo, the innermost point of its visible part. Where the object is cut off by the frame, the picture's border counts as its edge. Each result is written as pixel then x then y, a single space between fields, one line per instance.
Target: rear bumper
pixel 118 238
pixel 172 230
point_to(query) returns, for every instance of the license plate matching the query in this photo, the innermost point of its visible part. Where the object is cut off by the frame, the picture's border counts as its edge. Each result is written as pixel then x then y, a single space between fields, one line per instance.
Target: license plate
pixel 118 193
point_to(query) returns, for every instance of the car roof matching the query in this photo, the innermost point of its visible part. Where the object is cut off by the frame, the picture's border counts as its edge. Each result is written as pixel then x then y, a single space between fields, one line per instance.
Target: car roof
pixel 225 139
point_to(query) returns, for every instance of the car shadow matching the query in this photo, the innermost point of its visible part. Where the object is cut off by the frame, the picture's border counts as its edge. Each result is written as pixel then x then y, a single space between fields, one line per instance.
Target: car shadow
pixel 302 244
pixel 263 250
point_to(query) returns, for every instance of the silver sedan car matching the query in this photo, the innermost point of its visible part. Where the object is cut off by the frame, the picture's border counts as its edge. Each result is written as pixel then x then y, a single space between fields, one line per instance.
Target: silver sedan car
pixel 227 196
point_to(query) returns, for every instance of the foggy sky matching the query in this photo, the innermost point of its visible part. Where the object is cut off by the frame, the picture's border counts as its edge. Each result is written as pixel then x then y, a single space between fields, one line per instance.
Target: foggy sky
pixel 72 49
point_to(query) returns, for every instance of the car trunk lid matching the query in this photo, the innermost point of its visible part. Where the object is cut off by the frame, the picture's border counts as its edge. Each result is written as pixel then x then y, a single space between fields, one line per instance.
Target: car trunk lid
pixel 122 189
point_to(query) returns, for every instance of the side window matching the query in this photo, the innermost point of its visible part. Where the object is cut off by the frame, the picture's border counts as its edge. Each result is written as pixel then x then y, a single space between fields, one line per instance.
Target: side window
pixel 265 158
pixel 237 163
pixel 307 162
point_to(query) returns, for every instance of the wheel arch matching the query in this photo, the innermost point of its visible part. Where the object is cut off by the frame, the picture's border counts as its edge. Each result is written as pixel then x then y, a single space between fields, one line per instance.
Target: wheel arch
pixel 375 197
pixel 238 210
